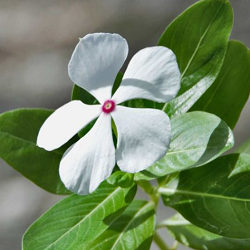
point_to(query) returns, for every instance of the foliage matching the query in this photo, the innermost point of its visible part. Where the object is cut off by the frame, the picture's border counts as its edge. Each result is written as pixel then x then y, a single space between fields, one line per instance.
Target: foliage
pixel 210 192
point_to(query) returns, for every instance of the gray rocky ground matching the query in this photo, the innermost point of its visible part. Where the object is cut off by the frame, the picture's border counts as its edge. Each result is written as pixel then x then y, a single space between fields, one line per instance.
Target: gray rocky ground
pixel 36 41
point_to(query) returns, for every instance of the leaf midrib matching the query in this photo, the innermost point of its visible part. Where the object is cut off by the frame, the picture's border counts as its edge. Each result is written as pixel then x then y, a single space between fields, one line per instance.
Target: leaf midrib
pixel 86 217
pixel 196 50
pixel 194 149
pixel 199 43
pixel 169 191
pixel 130 222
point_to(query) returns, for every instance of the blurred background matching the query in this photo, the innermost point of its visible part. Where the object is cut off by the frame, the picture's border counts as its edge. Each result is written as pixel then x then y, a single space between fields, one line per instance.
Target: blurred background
pixel 36 42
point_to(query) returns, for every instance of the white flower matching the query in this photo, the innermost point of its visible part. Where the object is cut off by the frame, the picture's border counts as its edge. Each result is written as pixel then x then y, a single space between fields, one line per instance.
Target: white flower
pixel 143 134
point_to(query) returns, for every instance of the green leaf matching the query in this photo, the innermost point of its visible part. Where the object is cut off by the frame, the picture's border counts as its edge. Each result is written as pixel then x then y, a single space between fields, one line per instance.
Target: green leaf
pixel 18 134
pixel 77 220
pixel 244 148
pixel 229 93
pixel 199 38
pixel 133 230
pixel 142 103
pixel 117 82
pixel 121 179
pixel 200 239
pixel 215 197
pixel 81 94
pixel 197 138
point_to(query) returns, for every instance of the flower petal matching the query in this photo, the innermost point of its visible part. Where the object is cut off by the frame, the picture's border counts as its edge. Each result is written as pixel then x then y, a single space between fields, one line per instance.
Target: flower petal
pixel 152 74
pixel 143 137
pixel 65 122
pixel 96 61
pixel 91 160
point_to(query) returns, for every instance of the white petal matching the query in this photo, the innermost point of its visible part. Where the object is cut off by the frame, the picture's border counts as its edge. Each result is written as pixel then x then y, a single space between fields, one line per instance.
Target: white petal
pixel 91 160
pixel 152 74
pixel 65 122
pixel 96 61
pixel 143 137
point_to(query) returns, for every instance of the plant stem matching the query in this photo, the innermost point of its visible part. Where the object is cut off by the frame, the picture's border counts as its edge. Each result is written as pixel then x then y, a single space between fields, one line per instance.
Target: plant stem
pixel 146 186
pixel 159 242
pixel 154 194
pixel 175 245
pixel 150 190
pixel 162 224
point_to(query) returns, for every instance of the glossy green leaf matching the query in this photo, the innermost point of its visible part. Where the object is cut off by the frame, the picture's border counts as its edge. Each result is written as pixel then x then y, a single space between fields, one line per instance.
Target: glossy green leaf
pixel 198 37
pixel 82 95
pixel 244 148
pixel 117 82
pixel 121 179
pixel 215 197
pixel 18 134
pixel 132 231
pixel 200 239
pixel 197 138
pixel 142 103
pixel 77 220
pixel 229 93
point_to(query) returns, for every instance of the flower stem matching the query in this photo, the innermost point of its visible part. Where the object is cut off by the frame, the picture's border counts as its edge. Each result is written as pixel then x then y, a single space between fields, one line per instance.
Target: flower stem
pixel 160 243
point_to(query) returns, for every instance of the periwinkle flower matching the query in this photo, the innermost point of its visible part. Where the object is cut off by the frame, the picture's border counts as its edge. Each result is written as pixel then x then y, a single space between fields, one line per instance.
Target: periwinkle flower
pixel 143 134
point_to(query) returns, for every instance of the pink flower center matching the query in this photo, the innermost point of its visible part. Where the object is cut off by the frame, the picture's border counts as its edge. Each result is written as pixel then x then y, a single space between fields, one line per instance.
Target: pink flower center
pixel 108 106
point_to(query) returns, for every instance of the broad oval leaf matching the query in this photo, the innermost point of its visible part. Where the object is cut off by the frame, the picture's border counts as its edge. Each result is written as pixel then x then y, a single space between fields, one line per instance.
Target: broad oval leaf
pixel 215 197
pixel 230 91
pixel 132 231
pixel 198 37
pixel 77 220
pixel 197 138
pixel 200 239
pixel 18 135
